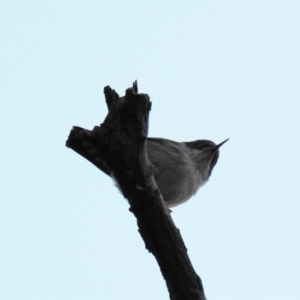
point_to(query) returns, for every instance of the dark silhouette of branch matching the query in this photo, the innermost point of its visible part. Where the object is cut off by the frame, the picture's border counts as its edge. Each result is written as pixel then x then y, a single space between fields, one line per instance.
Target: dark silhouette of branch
pixel 118 148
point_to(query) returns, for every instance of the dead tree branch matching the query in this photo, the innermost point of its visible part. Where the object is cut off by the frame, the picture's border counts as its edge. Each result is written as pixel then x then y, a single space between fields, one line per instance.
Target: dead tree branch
pixel 118 147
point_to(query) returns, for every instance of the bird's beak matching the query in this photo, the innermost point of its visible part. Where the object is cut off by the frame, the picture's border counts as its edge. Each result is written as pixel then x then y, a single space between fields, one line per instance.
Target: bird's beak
pixel 219 145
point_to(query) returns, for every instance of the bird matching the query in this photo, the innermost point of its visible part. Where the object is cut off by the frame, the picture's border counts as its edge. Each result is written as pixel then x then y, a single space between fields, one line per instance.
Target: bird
pixel 180 168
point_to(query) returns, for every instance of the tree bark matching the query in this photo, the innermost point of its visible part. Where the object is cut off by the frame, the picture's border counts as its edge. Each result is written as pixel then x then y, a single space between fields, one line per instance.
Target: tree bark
pixel 118 147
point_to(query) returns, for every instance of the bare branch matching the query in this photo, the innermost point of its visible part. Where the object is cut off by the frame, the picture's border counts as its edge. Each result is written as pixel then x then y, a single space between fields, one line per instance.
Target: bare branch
pixel 118 147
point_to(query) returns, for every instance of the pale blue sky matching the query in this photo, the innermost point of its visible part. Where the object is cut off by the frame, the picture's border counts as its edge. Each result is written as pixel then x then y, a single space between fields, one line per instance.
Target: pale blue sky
pixel 213 70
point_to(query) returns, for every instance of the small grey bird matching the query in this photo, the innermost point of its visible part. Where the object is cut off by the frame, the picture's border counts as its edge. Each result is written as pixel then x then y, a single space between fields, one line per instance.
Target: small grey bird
pixel 180 169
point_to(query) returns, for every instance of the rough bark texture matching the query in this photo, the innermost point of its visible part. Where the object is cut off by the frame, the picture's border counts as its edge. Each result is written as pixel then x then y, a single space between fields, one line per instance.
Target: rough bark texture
pixel 119 146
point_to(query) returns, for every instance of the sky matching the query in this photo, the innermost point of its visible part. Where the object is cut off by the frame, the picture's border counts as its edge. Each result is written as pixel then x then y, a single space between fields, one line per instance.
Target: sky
pixel 213 70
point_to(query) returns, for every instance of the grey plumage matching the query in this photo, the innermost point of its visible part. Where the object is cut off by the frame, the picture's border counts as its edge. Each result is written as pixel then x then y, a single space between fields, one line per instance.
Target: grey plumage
pixel 180 169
